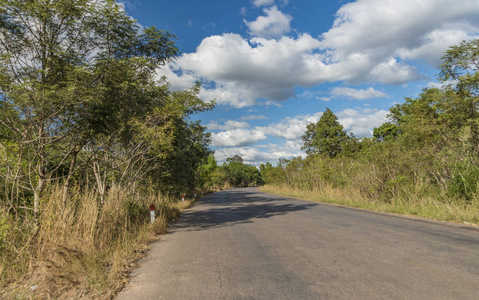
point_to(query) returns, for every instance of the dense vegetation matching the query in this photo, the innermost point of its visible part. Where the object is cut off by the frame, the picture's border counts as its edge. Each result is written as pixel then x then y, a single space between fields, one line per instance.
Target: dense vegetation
pixel 233 173
pixel 424 161
pixel 89 138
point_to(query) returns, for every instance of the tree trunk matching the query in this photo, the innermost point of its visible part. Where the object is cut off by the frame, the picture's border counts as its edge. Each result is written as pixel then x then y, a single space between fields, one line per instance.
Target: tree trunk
pixel 37 193
pixel 66 183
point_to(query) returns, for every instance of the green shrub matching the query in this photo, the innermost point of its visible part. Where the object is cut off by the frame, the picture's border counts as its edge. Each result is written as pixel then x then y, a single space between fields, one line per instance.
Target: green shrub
pixel 464 181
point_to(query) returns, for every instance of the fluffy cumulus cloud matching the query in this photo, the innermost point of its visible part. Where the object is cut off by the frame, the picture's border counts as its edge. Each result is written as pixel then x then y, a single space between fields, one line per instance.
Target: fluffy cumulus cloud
pixel 290 130
pixel 253 117
pixel 259 3
pixel 261 154
pixel 236 137
pixel 362 121
pixel 369 41
pixel 246 70
pixel 177 82
pixel 273 24
pixel 228 125
pixel 357 94
pixel 410 29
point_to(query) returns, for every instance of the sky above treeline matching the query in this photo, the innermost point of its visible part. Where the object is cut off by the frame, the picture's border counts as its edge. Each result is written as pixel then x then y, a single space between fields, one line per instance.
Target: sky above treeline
pixel 274 66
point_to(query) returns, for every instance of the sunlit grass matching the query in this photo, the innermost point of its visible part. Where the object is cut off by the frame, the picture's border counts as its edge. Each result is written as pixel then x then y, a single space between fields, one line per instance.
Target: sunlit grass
pixel 420 207
pixel 81 250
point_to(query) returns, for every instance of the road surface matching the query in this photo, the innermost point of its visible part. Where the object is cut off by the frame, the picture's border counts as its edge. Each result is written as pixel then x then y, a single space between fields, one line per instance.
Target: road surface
pixel 244 244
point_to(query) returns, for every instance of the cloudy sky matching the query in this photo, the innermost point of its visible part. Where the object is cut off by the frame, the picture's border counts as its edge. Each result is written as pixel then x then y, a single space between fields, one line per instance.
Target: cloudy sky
pixel 273 66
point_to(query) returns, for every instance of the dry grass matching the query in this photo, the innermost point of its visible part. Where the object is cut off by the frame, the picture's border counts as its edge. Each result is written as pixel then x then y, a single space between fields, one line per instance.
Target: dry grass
pixel 81 250
pixel 415 206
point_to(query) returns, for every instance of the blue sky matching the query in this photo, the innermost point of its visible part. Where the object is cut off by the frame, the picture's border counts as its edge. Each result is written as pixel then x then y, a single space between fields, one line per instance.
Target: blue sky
pixel 273 66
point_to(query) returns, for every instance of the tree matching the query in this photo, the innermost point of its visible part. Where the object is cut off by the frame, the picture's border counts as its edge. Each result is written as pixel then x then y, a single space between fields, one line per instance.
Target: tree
pixel 326 136
pixel 235 158
pixel 177 146
pixel 72 73
pixel 236 173
pixel 460 68
pixel 460 73
pixel 207 171
pixel 386 132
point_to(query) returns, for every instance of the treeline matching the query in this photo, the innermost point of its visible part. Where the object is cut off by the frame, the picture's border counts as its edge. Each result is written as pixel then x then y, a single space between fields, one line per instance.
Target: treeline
pixel 233 173
pixel 425 160
pixel 84 119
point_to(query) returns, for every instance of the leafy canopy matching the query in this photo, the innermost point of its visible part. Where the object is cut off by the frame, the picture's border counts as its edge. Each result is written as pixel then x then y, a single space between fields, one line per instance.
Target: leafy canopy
pixel 327 136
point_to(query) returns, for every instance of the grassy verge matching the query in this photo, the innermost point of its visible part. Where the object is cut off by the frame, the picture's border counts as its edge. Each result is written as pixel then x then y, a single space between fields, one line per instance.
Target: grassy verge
pixel 81 250
pixel 422 207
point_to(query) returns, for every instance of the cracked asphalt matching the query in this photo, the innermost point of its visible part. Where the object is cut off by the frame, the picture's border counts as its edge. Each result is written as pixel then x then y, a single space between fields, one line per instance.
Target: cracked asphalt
pixel 245 244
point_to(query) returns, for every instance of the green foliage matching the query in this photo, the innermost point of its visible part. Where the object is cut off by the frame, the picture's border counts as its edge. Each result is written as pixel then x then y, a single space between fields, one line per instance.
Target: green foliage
pixel 327 136
pixel 80 96
pixel 75 74
pixel 176 146
pixel 464 182
pixel 386 132
pixel 237 174
pixel 428 150
pixel 81 107
pixel 461 64
pixel 272 175
pixel 88 137
pixel 206 172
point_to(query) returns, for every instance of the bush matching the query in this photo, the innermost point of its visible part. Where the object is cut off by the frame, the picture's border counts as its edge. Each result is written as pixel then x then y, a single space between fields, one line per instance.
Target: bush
pixel 464 181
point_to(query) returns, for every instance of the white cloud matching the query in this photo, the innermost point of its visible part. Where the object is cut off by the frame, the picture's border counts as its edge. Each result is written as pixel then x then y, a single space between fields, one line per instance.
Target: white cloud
pixel 236 137
pixel 274 24
pixel 392 72
pixel 245 71
pixel 259 3
pixel 325 99
pixel 383 29
pixel 241 141
pixel 370 41
pixel 228 125
pixel 436 42
pixel 261 154
pixel 253 117
pixel 177 82
pixel 290 128
pixel 230 94
pixel 361 121
pixel 436 85
pixel 357 94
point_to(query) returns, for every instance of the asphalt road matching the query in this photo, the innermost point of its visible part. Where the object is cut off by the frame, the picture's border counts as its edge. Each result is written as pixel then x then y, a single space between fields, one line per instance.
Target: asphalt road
pixel 244 244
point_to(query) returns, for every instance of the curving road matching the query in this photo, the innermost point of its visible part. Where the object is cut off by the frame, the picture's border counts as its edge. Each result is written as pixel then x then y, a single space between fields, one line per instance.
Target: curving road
pixel 244 244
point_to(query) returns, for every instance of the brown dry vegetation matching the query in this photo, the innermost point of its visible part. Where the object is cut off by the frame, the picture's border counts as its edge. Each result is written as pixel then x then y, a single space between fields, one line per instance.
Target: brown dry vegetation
pixel 82 250
pixel 426 207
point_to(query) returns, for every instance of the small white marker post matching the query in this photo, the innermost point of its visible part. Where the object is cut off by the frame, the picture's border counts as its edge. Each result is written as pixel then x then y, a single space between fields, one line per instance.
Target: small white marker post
pixel 182 197
pixel 152 213
pixel 195 195
pixel 201 192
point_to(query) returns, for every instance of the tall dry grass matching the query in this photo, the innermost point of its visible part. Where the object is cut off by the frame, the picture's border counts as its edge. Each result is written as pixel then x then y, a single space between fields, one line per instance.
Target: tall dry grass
pixel 82 249
pixel 415 205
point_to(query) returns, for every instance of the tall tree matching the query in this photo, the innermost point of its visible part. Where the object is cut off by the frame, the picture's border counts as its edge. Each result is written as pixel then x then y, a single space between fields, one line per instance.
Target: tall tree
pixel 386 132
pixel 327 136
pixel 71 70
pixel 460 72
pixel 239 174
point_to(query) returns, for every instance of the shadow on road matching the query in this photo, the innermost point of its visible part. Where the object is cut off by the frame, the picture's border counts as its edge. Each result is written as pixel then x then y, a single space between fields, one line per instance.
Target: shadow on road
pixel 237 206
